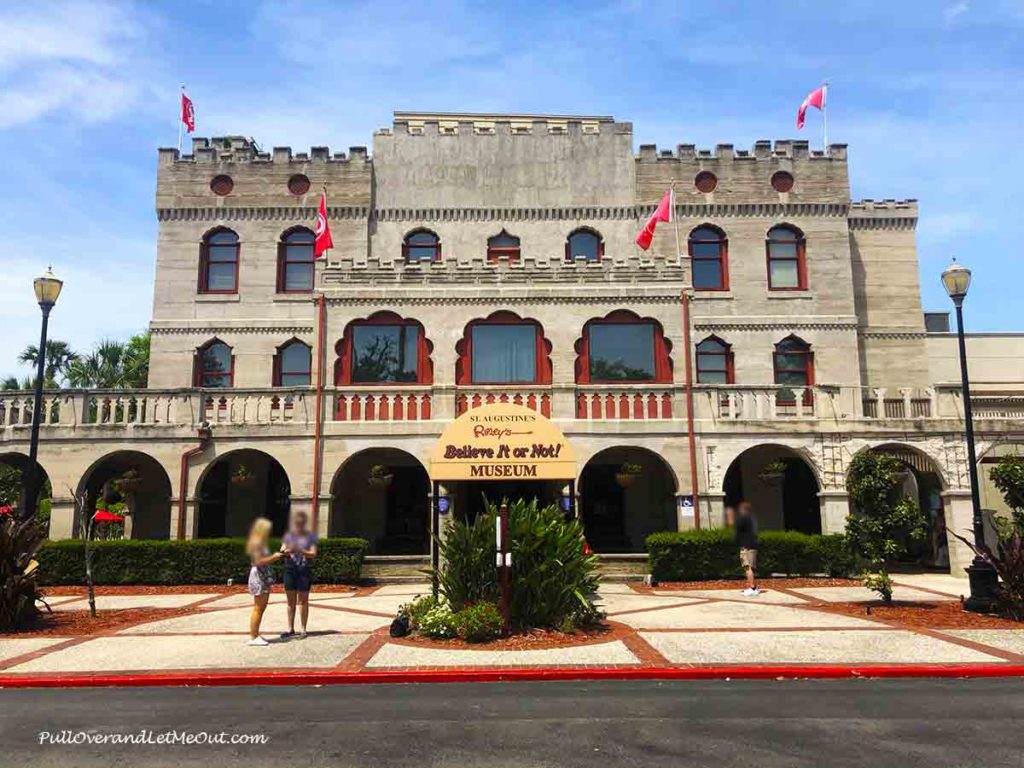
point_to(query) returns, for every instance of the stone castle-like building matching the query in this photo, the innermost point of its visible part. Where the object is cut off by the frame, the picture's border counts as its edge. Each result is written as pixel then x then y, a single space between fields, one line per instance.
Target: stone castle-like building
pixel 491 258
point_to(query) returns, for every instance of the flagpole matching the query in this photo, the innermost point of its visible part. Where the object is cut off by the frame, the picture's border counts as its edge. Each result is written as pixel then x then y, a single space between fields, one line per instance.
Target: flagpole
pixel 824 118
pixel 180 121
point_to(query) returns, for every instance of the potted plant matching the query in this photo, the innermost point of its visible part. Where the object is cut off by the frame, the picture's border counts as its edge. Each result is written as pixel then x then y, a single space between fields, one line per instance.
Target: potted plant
pixel 242 476
pixel 772 472
pixel 627 474
pixel 379 476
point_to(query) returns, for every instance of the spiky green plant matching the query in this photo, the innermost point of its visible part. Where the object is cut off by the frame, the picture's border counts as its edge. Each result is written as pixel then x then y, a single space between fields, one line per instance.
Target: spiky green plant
pixel 19 591
pixel 552 578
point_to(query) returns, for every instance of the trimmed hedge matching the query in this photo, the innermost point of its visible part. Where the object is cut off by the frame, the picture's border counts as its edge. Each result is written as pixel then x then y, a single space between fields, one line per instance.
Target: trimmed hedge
pixel 711 554
pixel 195 561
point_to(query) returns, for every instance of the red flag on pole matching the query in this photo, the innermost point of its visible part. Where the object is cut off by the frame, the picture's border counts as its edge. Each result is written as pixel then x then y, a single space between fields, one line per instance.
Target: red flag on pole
pixel 188 114
pixel 322 230
pixel 662 213
pixel 815 98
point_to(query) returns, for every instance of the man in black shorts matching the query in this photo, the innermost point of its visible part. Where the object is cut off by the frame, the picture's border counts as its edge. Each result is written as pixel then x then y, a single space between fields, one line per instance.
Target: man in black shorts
pixel 746 539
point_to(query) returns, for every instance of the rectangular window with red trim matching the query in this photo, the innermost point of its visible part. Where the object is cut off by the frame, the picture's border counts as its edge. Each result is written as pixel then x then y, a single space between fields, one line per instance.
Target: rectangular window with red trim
pixel 622 352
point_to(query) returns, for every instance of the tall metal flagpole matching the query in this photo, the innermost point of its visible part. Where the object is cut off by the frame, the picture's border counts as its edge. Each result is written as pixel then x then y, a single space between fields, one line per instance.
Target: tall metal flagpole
pixel 824 117
pixel 180 121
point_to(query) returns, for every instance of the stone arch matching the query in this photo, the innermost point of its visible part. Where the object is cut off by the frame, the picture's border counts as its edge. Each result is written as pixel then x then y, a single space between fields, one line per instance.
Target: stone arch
pixel 991 497
pixel 926 483
pixel 13 468
pixel 237 487
pixel 620 508
pixel 784 500
pixel 148 502
pixel 389 507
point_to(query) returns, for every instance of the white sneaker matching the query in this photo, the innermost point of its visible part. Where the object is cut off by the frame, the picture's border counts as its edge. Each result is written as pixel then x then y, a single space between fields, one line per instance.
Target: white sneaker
pixel 258 641
pixel 749 592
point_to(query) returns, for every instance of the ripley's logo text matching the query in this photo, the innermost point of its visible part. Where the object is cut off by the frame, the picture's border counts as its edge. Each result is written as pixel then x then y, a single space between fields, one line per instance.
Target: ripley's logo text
pixel 503 451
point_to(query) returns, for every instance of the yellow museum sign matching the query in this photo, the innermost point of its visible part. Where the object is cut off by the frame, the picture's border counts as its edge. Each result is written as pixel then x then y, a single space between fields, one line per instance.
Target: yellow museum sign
pixel 502 442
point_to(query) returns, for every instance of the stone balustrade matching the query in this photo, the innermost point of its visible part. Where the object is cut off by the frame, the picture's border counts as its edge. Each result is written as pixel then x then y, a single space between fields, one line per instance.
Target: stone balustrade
pixel 714 404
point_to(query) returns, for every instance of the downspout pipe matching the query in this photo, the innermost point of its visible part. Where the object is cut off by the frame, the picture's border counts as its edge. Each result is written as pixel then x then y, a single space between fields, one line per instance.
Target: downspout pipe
pixel 205 435
pixel 692 439
pixel 319 423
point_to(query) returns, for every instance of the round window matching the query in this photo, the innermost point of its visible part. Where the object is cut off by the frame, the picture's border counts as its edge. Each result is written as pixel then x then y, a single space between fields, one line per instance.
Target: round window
pixel 222 185
pixel 782 181
pixel 705 181
pixel 298 184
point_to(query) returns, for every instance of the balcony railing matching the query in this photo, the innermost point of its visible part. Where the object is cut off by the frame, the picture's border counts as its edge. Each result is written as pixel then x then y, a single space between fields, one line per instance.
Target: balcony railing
pixel 713 404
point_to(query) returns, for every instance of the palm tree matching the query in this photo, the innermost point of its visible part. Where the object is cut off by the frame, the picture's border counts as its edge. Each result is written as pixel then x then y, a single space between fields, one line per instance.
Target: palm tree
pixel 112 365
pixel 11 384
pixel 59 357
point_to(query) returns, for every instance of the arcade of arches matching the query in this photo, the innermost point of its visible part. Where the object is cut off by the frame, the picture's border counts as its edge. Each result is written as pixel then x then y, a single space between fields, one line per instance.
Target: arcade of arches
pixel 239 487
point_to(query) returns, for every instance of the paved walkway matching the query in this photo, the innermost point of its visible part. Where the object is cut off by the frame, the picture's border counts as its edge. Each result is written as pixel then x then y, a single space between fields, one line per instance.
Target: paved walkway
pixel 690 628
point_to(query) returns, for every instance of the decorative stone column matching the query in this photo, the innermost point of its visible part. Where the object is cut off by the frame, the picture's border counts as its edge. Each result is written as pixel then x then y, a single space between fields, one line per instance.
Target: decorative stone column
pixel 62 518
pixel 323 517
pixel 835 507
pixel 959 514
pixel 712 510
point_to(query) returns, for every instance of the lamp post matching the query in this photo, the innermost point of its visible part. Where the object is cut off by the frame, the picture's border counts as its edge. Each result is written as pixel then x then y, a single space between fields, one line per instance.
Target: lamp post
pixel 47 290
pixel 956 279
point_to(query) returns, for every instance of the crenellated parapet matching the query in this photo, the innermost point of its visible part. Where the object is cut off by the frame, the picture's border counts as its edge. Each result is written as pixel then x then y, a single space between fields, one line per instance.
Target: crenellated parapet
pixel 233 172
pixel 883 214
pixel 786 171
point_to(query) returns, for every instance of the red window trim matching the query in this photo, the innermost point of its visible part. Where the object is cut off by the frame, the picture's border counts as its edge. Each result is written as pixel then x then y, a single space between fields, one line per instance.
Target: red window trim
pixel 343 365
pixel 584 230
pixel 283 262
pixel 723 255
pixel 730 368
pixel 662 349
pixel 808 370
pixel 406 246
pixel 496 253
pixel 801 258
pixel 204 261
pixel 279 372
pixel 464 364
pixel 197 366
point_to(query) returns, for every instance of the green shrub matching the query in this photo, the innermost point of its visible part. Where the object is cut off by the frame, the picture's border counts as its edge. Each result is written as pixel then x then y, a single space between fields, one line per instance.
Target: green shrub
pixel 438 622
pixel 552 577
pixel 712 554
pixel 194 561
pixel 417 609
pixel 478 623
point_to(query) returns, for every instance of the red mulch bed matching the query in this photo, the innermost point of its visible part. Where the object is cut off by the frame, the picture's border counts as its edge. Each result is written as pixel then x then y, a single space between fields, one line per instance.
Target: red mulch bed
pixel 532 640
pixel 189 589
pixel 947 614
pixel 769 583
pixel 80 623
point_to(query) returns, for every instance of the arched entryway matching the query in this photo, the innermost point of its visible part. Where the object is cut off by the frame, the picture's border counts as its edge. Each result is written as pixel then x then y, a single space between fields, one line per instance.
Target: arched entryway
pixel 382 495
pixel 923 483
pixel 13 471
pixel 134 484
pixel 239 487
pixel 780 485
pixel 626 494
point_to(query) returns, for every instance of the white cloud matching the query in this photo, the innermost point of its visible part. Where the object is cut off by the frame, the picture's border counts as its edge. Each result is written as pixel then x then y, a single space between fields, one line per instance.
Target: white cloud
pixel 73 56
pixel 951 14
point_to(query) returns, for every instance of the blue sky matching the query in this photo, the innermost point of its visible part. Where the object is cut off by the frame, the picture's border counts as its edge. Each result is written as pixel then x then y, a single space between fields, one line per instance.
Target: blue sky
pixel 929 96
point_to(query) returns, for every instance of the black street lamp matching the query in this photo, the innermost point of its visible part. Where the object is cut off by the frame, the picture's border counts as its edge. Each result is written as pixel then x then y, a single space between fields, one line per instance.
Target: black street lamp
pixel 47 290
pixel 956 279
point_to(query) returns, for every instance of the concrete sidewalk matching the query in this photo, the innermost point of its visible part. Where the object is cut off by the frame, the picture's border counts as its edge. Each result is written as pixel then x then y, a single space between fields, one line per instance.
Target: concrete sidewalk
pixel 666 629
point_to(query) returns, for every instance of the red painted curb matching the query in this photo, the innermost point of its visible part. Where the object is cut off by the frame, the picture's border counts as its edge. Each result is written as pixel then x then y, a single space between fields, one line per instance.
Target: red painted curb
pixel 335 677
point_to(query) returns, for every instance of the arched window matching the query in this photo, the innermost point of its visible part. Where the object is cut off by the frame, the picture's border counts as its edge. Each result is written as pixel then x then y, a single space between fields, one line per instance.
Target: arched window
pixel 384 349
pixel 793 363
pixel 503 246
pixel 421 245
pixel 293 365
pixel 714 362
pixel 584 244
pixel 214 366
pixel 623 347
pixel 787 270
pixel 709 255
pixel 295 262
pixel 504 348
pixel 218 262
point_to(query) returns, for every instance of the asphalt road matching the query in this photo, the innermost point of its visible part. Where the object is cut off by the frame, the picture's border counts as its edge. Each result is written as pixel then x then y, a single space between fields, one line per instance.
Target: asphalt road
pixel 878 723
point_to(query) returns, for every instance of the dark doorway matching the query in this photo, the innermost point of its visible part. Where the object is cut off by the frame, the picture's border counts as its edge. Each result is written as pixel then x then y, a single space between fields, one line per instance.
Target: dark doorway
pixel 787 501
pixel 471 498
pixel 237 489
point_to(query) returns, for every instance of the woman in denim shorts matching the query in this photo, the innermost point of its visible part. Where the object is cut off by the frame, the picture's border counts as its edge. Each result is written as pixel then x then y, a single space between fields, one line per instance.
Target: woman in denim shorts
pixel 299 548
